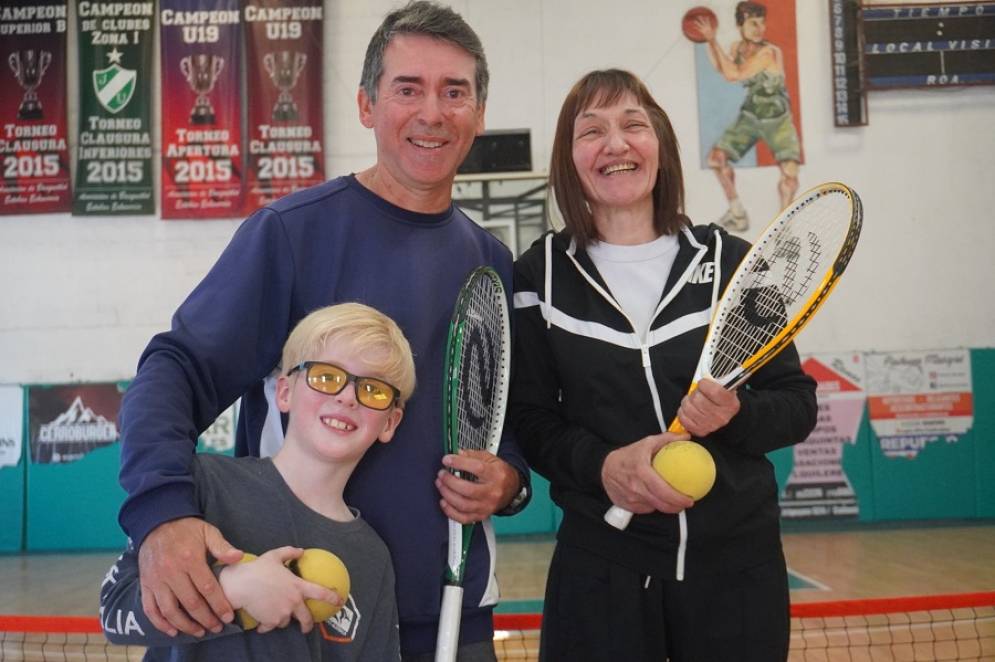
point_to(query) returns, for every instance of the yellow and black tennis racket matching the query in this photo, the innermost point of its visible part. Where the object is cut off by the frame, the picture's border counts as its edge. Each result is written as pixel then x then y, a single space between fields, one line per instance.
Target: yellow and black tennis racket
pixel 478 365
pixel 779 285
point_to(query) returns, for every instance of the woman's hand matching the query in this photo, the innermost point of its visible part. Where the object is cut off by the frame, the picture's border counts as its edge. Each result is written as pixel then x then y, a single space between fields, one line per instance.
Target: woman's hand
pixel 632 483
pixel 708 408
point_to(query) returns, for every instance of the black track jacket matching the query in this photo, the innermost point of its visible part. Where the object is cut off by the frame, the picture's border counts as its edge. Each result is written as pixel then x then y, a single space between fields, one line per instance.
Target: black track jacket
pixel 584 383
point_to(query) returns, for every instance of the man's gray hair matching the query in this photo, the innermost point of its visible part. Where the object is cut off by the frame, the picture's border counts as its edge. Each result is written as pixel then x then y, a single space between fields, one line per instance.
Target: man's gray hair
pixel 432 20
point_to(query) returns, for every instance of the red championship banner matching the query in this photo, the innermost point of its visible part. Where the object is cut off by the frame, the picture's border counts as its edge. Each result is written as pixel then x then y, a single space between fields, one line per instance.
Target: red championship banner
pixel 34 156
pixel 201 129
pixel 283 65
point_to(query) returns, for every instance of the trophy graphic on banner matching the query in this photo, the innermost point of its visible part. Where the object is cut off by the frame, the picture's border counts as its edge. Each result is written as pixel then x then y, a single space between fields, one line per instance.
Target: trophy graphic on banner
pixel 284 68
pixel 29 67
pixel 201 71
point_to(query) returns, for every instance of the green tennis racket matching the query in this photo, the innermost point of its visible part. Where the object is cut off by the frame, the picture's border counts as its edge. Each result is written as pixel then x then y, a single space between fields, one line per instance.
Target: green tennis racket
pixel 478 360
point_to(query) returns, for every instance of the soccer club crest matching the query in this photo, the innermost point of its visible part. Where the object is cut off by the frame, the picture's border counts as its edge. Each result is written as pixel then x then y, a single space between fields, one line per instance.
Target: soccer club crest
pixel 114 86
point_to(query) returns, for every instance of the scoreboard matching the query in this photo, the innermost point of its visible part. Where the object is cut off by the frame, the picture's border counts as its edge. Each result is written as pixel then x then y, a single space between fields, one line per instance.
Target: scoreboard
pixel 920 46
pixel 894 46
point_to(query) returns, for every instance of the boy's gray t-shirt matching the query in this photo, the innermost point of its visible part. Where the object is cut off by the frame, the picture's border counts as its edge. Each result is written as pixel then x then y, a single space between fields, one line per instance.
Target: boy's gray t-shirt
pixel 248 500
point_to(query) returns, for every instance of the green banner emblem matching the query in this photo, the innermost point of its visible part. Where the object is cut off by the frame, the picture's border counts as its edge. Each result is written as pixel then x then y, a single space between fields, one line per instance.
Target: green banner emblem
pixel 114 86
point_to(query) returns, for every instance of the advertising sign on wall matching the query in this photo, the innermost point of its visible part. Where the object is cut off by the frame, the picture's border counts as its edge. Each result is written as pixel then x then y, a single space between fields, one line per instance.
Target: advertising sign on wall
pixel 918 398
pixel 11 422
pixel 68 421
pixel 818 486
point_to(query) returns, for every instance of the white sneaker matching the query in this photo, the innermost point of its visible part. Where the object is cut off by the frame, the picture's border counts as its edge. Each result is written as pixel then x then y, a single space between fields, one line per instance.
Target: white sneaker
pixel 735 222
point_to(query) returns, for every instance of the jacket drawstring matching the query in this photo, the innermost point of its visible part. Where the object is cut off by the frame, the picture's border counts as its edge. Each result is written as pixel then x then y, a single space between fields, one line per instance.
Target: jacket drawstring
pixel 718 270
pixel 548 282
pixel 682 520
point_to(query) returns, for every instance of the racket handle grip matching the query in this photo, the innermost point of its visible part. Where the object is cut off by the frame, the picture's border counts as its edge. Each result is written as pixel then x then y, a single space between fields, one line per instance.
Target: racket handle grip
pixel 449 620
pixel 618 517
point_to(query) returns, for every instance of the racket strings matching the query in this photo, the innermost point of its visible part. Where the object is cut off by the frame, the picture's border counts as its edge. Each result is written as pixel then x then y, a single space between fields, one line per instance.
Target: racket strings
pixel 482 357
pixel 789 266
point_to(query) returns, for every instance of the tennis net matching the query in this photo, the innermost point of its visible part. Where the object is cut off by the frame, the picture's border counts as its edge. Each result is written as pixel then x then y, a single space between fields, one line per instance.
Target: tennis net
pixel 908 629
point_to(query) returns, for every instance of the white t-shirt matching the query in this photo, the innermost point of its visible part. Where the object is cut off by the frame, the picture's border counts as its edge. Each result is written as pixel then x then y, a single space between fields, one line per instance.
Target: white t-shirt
pixel 636 275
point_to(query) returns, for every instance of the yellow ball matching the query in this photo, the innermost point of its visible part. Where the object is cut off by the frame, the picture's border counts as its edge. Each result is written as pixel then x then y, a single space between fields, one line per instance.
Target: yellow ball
pixel 687 466
pixel 244 617
pixel 322 567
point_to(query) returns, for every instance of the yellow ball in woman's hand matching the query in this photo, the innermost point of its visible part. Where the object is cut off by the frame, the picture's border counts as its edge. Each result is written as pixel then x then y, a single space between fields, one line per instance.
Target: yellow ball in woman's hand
pixel 687 466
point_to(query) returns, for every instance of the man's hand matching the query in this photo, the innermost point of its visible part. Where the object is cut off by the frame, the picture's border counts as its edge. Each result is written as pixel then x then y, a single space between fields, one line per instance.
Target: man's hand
pixel 632 483
pixel 465 501
pixel 179 591
pixel 271 593
pixel 708 408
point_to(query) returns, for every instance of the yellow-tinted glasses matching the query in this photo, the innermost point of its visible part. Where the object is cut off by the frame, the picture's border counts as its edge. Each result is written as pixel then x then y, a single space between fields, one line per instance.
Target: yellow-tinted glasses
pixel 331 379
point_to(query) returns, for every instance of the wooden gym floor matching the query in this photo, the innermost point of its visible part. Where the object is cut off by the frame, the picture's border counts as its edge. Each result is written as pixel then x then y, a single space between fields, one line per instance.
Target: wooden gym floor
pixel 860 562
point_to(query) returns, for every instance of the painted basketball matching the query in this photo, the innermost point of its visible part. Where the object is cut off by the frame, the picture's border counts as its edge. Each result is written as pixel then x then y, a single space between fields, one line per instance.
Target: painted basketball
pixel 689 24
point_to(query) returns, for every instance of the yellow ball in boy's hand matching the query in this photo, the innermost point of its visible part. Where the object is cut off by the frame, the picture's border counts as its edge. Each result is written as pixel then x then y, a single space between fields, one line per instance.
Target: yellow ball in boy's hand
pixel 244 617
pixel 322 567
pixel 687 466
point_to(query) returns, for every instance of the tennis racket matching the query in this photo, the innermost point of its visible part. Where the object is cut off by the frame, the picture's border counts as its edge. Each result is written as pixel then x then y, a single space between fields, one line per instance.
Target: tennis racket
pixel 476 390
pixel 779 285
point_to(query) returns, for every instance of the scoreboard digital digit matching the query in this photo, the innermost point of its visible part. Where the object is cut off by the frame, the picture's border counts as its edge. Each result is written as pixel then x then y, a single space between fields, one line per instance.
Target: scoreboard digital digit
pixel 929 45
pixel 894 46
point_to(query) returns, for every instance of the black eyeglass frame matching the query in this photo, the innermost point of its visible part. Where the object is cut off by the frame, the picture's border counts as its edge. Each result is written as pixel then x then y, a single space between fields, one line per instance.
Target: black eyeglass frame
pixel 305 366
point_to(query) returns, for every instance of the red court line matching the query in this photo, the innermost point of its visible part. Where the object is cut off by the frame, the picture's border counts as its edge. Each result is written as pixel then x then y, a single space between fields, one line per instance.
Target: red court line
pixel 86 624
pixel 892 605
pixel 73 624
pixel 517 621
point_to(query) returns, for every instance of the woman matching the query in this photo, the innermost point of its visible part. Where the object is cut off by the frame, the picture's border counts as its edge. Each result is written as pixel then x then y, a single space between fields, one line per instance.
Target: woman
pixel 611 315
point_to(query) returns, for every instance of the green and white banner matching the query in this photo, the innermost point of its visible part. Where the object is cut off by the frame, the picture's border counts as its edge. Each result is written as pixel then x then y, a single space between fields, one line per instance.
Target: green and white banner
pixel 114 165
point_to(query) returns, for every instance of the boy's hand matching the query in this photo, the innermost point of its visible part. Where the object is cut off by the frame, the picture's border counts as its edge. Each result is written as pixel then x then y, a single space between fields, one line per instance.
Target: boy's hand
pixel 465 501
pixel 271 593
pixel 179 591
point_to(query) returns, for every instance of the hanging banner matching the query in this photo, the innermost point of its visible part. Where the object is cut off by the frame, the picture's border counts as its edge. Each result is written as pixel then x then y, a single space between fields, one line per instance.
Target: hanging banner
pixel 818 487
pixel 283 65
pixel 917 398
pixel 67 422
pixel 201 113
pixel 114 166
pixel 34 156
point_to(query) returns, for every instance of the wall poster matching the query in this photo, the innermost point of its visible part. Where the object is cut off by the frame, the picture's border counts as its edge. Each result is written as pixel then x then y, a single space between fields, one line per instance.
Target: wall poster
pixel 749 105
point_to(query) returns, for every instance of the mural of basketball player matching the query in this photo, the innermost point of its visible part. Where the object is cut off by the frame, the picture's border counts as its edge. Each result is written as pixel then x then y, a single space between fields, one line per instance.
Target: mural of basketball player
pixel 765 113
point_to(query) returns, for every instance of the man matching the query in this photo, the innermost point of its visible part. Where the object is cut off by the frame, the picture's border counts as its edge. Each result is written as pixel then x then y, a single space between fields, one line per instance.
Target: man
pixel 388 237
pixel 765 113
